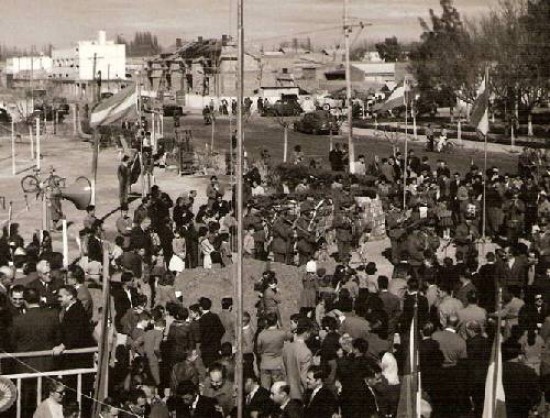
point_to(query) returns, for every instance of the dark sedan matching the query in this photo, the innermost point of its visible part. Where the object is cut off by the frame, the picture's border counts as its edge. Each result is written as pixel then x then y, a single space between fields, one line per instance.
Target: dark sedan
pixel 317 122
pixel 283 108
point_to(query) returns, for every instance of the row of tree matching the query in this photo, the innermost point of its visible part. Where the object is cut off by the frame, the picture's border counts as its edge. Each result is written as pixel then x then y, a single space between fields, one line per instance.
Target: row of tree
pixel 512 43
pixel 144 44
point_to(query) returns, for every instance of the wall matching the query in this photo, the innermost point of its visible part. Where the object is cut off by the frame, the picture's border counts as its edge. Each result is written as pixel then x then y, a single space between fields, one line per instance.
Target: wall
pixel 15 65
pixel 65 64
pixel 110 60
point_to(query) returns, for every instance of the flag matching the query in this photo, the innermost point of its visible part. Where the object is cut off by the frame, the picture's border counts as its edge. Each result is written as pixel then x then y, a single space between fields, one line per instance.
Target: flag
pixel 116 108
pixel 494 406
pixel 411 391
pixel 397 98
pixel 480 110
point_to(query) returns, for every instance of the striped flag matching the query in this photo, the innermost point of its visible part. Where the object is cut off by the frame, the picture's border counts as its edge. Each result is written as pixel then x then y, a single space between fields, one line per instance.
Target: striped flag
pixel 116 108
pixel 411 392
pixel 398 97
pixel 494 406
pixel 480 110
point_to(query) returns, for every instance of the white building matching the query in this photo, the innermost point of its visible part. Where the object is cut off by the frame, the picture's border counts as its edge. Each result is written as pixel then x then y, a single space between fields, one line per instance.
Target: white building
pixel 78 63
pixel 18 65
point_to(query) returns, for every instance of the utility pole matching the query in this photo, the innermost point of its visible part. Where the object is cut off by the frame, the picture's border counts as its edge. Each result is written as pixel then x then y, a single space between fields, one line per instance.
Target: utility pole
pixel 32 79
pixel 94 67
pixel 347 32
pixel 238 283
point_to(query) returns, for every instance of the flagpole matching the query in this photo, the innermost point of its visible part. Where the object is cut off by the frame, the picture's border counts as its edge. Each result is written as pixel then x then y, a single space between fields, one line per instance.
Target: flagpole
pixel 484 224
pixel 406 147
pixel 239 174
pixel 415 359
pixel 497 357
pixel 351 146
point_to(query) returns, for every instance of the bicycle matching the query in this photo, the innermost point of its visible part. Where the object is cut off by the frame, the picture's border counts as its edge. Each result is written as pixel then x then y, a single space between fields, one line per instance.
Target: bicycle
pixel 33 183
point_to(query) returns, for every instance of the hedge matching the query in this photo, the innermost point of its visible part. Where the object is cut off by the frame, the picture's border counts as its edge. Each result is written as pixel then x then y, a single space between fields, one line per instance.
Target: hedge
pixel 541 138
pixel 320 180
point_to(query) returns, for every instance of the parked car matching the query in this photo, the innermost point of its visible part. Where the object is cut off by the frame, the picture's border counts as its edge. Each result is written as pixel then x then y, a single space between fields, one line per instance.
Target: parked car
pixel 172 110
pixel 328 102
pixel 50 112
pixel 106 95
pixel 283 108
pixel 5 117
pixel 61 105
pixel 317 122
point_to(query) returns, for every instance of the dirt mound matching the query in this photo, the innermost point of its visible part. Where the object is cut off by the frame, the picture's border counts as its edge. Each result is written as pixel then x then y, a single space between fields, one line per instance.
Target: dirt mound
pixel 218 283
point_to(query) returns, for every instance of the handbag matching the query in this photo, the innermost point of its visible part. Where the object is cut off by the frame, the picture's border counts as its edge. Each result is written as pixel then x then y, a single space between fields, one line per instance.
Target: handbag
pixel 176 264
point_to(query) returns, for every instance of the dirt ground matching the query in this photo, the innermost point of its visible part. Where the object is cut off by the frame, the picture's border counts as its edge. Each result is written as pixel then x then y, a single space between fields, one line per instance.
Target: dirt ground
pixel 71 158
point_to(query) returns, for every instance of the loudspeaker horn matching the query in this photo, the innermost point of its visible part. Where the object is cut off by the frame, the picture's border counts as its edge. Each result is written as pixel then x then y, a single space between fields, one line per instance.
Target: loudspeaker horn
pixel 80 193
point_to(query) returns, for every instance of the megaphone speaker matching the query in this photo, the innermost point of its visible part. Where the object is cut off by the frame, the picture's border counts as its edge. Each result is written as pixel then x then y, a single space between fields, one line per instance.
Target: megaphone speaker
pixel 80 193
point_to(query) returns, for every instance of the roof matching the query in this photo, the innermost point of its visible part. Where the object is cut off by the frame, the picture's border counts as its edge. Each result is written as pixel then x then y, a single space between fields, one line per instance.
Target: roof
pixel 375 68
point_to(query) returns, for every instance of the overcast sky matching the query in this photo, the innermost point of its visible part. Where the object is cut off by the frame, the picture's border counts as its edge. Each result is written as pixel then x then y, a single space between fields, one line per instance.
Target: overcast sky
pixel 63 22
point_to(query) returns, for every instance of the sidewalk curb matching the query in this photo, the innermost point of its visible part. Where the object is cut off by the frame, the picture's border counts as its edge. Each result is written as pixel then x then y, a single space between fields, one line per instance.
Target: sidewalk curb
pixel 464 144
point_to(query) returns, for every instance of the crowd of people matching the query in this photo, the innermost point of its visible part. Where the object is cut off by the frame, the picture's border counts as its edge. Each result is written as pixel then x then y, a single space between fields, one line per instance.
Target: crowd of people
pixel 343 353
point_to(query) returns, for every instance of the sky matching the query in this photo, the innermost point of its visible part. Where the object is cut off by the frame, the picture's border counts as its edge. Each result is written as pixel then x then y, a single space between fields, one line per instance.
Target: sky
pixel 267 22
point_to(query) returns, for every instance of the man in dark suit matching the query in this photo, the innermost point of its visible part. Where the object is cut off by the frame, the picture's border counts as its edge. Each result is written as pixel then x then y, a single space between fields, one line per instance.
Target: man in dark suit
pixel 320 402
pixel 188 403
pixel 141 238
pixel 367 406
pixel 211 330
pixel 94 244
pixel 76 332
pixel 512 271
pixel 124 297
pixel 430 358
pixel 257 402
pixel 287 407
pixel 75 328
pixel 478 348
pixel 77 278
pixel 36 330
pixel 392 304
pixel 485 282
pixel 521 388
pixel 45 284
pixel 413 297
pixel 17 302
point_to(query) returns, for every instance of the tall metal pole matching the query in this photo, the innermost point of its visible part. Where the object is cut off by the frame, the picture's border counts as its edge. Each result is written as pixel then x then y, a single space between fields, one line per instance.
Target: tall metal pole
pixel 38 150
pixel 32 79
pixel 347 30
pixel 483 226
pixel 406 148
pixel 13 169
pixel 239 172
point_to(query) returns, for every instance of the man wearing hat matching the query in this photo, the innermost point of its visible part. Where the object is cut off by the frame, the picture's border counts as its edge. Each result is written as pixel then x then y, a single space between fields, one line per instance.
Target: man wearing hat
pixel 466 234
pixel 252 217
pixel 396 232
pixel 343 225
pixel 306 242
pixel 282 234
pixel 514 210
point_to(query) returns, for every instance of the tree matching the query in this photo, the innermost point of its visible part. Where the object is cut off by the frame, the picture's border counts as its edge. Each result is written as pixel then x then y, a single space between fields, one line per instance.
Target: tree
pixel 515 37
pixel 446 62
pixel 144 44
pixel 390 50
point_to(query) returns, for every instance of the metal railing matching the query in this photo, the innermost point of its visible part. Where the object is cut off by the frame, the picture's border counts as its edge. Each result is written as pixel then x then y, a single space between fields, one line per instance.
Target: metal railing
pixel 19 377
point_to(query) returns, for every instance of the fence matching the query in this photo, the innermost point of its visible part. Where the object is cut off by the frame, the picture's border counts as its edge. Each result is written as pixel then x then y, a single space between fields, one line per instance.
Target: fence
pixel 39 376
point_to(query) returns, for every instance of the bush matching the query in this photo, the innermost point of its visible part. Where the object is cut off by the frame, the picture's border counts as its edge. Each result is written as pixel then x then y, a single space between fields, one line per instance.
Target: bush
pixel 320 180
pixel 497 133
